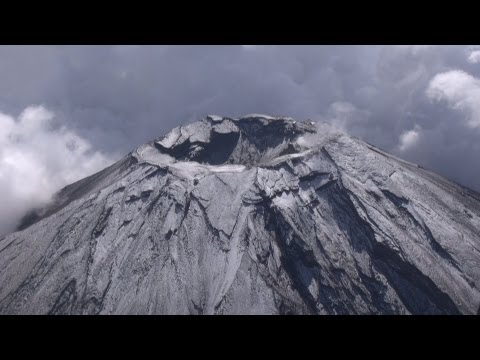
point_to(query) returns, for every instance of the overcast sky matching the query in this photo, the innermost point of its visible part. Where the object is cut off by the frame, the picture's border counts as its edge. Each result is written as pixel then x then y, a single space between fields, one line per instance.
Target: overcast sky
pixel 68 111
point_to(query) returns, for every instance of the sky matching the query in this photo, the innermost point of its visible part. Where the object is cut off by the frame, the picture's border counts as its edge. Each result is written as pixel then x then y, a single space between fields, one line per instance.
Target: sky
pixel 69 111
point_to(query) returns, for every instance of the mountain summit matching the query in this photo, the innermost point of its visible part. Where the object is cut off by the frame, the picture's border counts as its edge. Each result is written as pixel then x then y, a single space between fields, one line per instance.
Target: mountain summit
pixel 256 215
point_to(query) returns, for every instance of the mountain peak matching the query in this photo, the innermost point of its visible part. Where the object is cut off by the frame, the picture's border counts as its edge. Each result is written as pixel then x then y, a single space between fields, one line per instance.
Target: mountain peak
pixel 249 140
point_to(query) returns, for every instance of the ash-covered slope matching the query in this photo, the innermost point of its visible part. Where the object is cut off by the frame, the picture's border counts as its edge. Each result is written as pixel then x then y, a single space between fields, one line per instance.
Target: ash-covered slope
pixel 256 215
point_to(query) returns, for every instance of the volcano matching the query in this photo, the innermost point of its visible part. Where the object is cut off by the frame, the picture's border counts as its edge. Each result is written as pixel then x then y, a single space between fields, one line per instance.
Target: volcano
pixel 255 215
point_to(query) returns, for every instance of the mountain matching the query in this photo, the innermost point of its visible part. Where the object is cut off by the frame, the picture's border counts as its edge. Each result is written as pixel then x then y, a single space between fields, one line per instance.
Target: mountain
pixel 257 215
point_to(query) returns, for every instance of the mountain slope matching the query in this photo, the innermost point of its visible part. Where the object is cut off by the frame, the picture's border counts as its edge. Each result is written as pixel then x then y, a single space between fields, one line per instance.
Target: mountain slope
pixel 257 215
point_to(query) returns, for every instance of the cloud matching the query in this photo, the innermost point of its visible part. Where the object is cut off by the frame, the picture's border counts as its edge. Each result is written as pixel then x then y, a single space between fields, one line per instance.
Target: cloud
pixel 344 116
pixel 474 57
pixel 409 138
pixel 461 91
pixel 37 158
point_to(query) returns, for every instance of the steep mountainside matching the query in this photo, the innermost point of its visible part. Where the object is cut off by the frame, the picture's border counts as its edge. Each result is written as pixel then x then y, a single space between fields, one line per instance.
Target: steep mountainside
pixel 257 215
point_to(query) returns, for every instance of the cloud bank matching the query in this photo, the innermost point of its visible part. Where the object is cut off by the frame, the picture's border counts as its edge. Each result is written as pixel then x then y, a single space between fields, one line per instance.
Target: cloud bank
pixel 36 159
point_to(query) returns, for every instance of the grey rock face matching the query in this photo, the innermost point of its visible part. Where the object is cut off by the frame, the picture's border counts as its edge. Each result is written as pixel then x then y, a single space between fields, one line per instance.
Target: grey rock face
pixel 256 215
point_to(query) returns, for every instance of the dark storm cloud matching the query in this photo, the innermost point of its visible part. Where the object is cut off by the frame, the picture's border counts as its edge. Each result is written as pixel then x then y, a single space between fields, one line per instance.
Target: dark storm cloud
pixel 410 100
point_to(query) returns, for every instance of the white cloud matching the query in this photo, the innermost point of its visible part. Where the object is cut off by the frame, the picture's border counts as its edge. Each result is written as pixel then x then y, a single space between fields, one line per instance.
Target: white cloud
pixel 324 131
pixel 36 160
pixel 342 115
pixel 461 91
pixel 409 139
pixel 474 57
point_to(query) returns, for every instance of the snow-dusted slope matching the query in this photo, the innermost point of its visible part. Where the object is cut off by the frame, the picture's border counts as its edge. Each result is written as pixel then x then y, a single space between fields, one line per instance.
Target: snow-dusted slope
pixel 257 215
